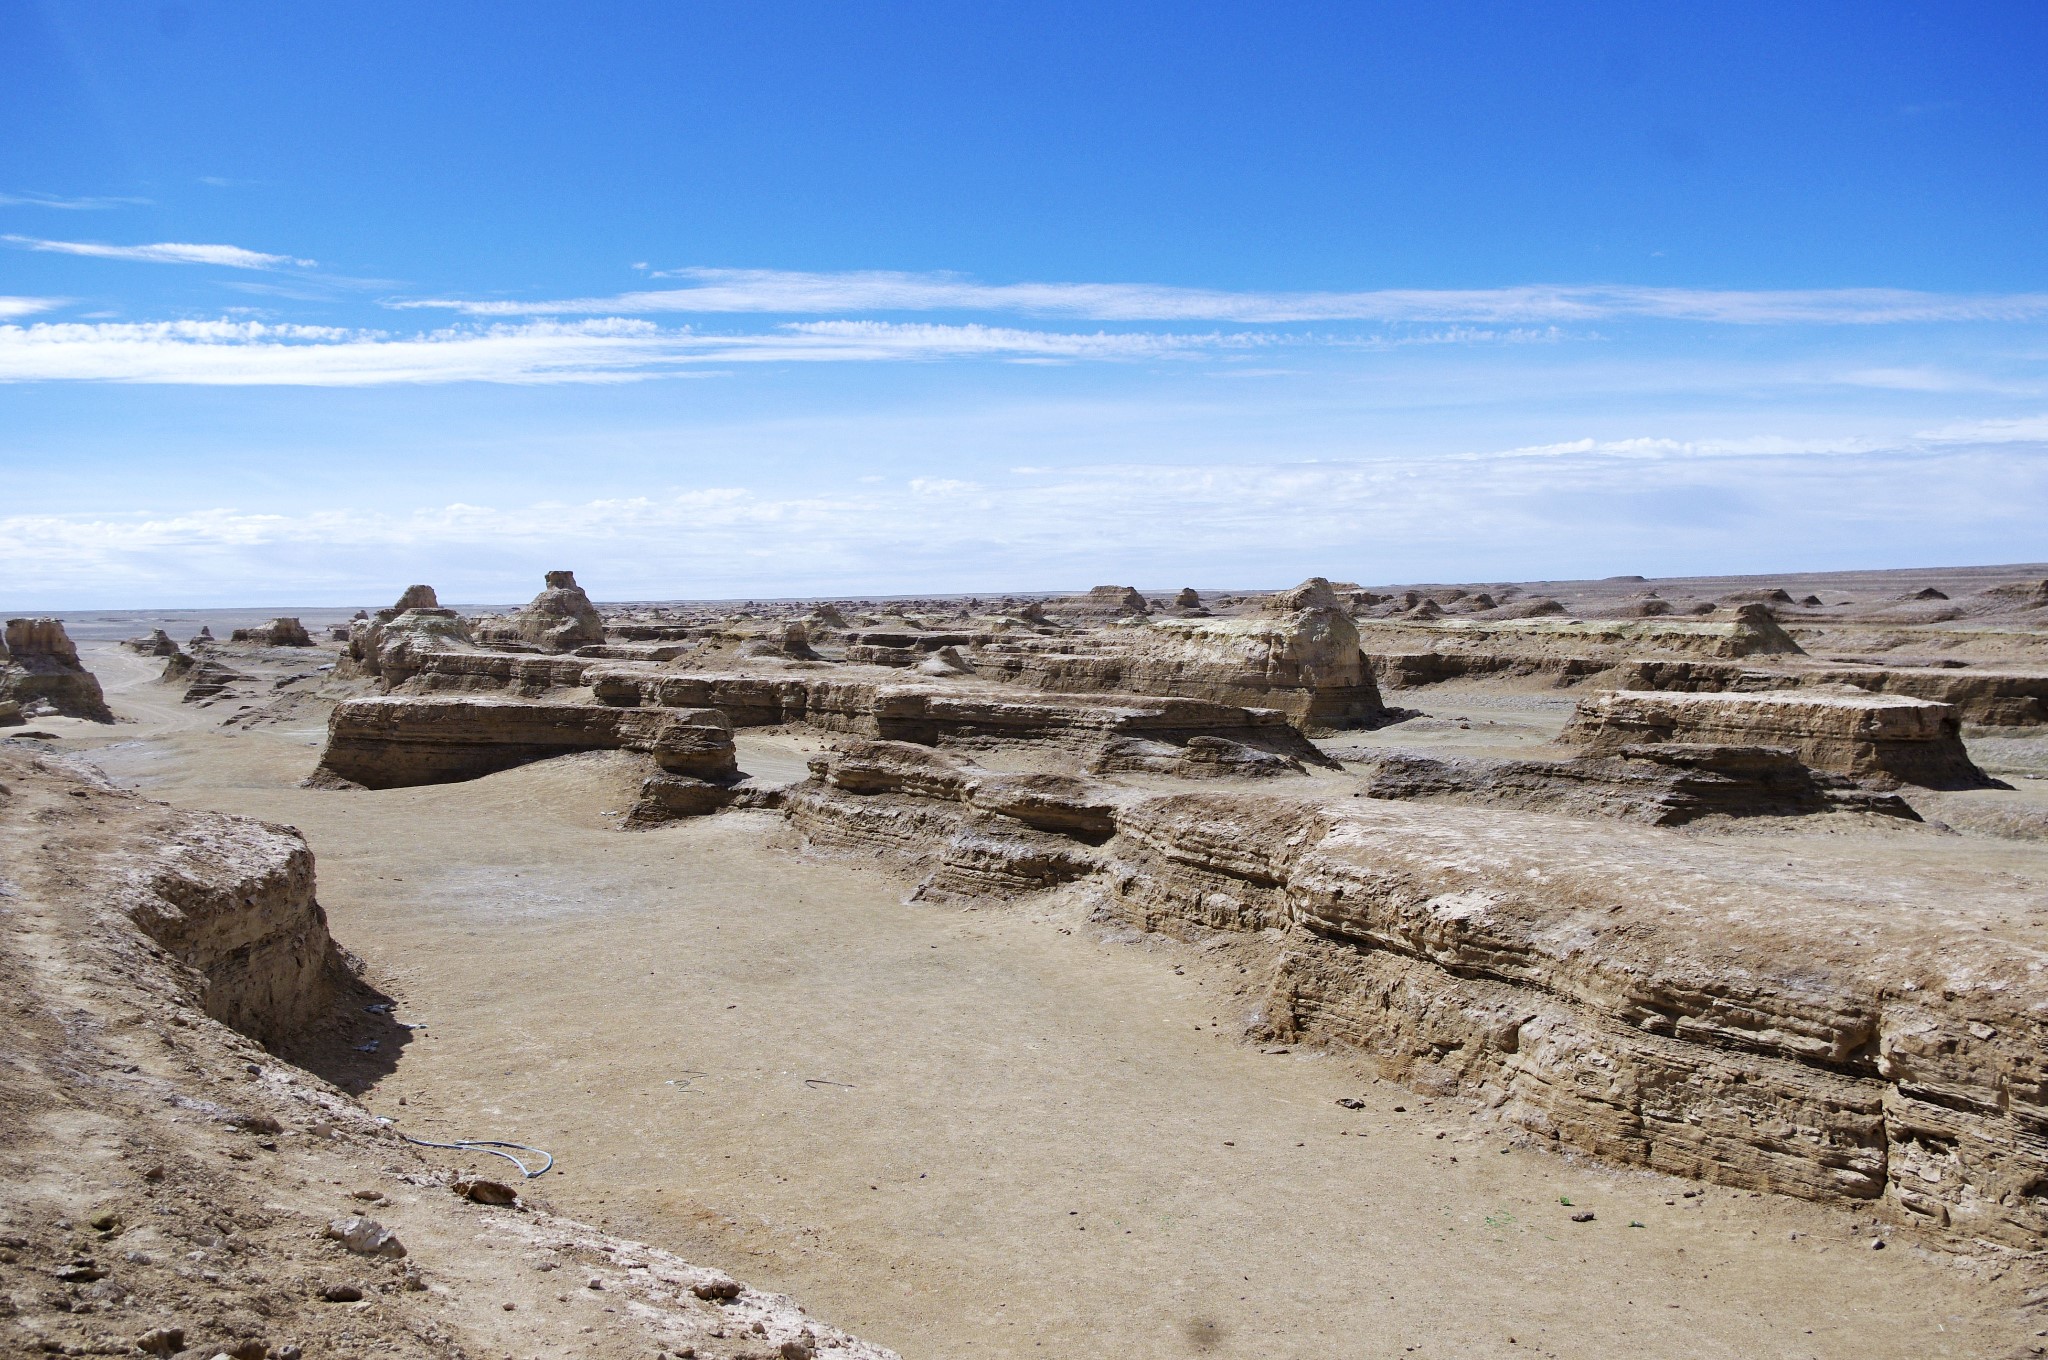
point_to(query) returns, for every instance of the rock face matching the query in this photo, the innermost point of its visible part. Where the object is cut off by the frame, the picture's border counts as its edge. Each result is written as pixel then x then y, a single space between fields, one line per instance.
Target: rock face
pixel 1888 739
pixel 396 642
pixel 158 643
pixel 1650 998
pixel 1660 784
pixel 1107 602
pixel 560 619
pixel 395 741
pixel 1299 654
pixel 933 715
pixel 40 671
pixel 279 632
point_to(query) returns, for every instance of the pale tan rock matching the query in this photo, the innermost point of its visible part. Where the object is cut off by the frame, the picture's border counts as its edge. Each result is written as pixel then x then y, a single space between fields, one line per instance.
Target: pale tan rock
pixel 559 619
pixel 1885 738
pixel 40 671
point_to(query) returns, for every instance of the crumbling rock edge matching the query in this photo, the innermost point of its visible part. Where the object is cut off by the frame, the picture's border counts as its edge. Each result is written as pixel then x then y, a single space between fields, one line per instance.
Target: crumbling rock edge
pixel 143 1129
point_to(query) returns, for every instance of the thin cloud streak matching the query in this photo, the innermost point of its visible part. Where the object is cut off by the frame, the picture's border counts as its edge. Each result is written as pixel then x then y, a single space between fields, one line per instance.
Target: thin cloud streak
pixel 252 353
pixel 11 307
pixel 68 204
pixel 163 252
pixel 713 291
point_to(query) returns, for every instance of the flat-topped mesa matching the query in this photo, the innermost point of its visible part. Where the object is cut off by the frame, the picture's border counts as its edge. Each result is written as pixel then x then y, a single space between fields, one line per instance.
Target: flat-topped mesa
pixel 1297 653
pixel 279 632
pixel 1107 602
pixel 397 741
pixel 394 644
pixel 41 672
pixel 559 619
pixel 1880 738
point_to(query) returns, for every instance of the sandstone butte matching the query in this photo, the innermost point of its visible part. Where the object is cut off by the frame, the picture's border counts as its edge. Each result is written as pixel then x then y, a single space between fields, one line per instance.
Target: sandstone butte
pixel 1681 876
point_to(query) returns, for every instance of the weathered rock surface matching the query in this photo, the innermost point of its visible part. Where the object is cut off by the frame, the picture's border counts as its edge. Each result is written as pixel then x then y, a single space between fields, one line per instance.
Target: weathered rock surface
pixel 1661 784
pixel 1646 997
pixel 1885 738
pixel 166 1185
pixel 396 642
pixel 559 619
pixel 40 671
pixel 158 643
pixel 279 632
pixel 1300 654
pixel 394 741
pixel 933 714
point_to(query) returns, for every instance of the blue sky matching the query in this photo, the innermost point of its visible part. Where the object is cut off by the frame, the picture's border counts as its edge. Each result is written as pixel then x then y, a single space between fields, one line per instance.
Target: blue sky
pixel 299 304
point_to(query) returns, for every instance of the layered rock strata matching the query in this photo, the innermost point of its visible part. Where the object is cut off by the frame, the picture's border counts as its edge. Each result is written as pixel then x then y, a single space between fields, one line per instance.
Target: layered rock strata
pixel 1648 998
pixel 394 643
pixel 559 619
pixel 1889 739
pixel 279 632
pixel 394 741
pixel 1660 784
pixel 40 671
pixel 933 715
pixel 1300 654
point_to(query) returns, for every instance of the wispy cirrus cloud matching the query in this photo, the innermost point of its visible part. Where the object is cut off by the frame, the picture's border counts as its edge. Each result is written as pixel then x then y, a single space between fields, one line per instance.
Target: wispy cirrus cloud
pixel 712 291
pixel 11 307
pixel 163 252
pixel 255 353
pixel 85 204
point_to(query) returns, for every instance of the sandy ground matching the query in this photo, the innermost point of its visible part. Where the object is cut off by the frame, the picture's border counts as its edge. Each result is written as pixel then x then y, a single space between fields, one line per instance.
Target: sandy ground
pixel 986 1133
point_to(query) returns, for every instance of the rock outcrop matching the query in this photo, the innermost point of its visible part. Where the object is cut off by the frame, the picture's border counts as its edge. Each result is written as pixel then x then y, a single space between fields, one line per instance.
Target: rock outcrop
pixel 279 632
pixel 394 644
pixel 1888 739
pixel 1299 654
pixel 158 643
pixel 1649 998
pixel 395 741
pixel 560 619
pixel 1660 784
pixel 40 671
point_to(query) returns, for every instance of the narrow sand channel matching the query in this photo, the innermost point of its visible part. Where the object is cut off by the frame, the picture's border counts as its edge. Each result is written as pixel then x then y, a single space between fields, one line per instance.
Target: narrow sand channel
pixel 970 1133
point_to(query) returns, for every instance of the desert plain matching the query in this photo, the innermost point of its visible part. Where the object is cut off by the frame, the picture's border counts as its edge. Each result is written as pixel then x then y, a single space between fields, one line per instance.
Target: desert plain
pixel 1560 968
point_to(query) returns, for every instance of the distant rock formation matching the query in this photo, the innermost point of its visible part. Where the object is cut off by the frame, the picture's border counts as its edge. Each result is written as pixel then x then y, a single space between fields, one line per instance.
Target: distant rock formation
pixel 158 643
pixel 279 632
pixel 40 671
pixel 390 645
pixel 1885 738
pixel 560 619
pixel 1102 602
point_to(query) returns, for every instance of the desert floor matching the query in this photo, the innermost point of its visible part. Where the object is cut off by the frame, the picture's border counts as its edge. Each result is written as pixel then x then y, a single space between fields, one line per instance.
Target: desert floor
pixel 991 1133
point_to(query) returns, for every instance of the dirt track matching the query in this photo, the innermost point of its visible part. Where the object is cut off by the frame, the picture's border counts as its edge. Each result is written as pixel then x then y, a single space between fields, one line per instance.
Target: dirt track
pixel 978 1133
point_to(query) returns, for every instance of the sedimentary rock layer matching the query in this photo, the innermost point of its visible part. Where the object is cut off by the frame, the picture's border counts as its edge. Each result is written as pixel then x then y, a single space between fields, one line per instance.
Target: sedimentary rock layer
pixel 392 741
pixel 1886 738
pixel 1649 998
pixel 40 671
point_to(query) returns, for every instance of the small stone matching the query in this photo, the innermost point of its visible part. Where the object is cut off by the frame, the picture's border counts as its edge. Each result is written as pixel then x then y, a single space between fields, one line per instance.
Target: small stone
pixel 247 1350
pixel 595 1283
pixel 154 1175
pixel 287 1352
pixel 1584 1216
pixel 365 1237
pixel 1351 1103
pixel 716 1286
pixel 1878 1245
pixel 105 1222
pixel 341 1293
pixel 481 1191
pixel 373 1196
pixel 161 1341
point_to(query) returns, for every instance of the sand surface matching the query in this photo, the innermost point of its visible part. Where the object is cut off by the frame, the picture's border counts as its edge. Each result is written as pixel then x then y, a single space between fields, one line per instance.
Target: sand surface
pixel 990 1133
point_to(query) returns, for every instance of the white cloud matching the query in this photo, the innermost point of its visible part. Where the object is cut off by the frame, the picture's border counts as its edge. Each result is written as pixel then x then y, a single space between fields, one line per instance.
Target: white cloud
pixel 252 353
pixel 11 307
pixel 163 252
pixel 1582 507
pixel 796 293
